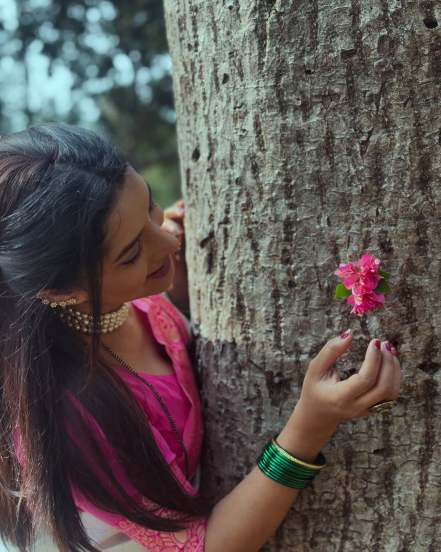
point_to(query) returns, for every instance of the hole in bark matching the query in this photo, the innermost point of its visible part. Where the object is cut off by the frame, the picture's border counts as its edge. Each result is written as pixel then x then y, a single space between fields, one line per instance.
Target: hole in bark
pixel 430 22
pixel 439 137
pixel 346 54
pixel 378 451
pixel 225 78
pixel 196 154
pixel 429 367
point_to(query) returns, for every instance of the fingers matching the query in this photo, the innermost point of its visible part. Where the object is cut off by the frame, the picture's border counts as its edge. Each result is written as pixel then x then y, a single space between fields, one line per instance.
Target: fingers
pixel 365 379
pixel 388 384
pixel 321 364
pixel 173 227
pixel 176 211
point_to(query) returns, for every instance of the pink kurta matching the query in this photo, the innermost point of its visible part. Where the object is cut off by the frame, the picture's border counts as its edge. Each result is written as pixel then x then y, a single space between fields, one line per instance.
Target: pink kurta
pixel 179 391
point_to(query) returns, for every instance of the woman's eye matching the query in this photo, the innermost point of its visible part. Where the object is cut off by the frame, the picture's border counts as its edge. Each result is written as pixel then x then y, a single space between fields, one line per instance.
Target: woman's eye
pixel 133 259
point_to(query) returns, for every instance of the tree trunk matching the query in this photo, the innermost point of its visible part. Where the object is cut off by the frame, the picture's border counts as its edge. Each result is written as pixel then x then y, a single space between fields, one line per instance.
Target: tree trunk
pixel 309 132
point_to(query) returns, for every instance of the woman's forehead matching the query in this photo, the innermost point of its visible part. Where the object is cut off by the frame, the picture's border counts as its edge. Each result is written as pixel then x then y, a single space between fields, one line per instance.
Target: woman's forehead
pixel 127 218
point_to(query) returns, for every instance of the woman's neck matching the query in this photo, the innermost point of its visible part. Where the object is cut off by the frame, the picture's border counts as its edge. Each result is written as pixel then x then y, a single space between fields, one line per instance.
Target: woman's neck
pixel 126 334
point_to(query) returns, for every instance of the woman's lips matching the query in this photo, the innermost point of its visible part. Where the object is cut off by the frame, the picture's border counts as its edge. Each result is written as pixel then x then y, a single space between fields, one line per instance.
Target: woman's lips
pixel 161 271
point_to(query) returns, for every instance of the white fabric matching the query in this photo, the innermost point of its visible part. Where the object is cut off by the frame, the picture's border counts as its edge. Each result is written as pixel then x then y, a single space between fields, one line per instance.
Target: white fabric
pixel 105 535
pixel 109 537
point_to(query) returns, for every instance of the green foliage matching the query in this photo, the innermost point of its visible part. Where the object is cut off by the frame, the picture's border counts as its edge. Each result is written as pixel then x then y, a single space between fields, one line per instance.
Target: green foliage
pixel 116 56
pixel 383 287
pixel 386 275
pixel 341 292
pixel 164 181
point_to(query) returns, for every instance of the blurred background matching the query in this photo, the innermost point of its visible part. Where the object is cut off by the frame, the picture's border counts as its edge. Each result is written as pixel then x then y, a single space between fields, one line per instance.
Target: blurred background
pixel 101 64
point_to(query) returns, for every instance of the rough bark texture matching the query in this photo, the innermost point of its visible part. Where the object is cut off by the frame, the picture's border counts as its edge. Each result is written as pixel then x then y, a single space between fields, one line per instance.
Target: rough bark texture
pixel 309 132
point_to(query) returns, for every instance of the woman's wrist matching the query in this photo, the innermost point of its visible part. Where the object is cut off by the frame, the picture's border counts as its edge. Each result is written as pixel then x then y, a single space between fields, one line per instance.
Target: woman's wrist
pixel 302 439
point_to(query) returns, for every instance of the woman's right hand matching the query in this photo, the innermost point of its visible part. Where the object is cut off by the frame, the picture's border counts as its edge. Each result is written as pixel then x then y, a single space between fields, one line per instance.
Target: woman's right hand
pixel 326 401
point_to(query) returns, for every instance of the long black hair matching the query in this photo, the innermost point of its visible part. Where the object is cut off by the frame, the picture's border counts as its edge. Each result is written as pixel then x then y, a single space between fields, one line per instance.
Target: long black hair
pixel 58 185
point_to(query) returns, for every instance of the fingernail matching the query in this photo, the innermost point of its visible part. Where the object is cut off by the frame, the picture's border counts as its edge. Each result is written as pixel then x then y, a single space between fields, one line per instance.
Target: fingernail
pixel 394 351
pixel 388 346
pixel 377 344
pixel 345 334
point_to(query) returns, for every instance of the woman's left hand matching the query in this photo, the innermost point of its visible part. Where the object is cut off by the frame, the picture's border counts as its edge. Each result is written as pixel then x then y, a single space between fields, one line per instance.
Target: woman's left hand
pixel 174 223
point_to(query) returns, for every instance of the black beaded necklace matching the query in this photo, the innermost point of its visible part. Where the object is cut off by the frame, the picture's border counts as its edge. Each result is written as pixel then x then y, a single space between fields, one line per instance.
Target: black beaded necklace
pixel 158 398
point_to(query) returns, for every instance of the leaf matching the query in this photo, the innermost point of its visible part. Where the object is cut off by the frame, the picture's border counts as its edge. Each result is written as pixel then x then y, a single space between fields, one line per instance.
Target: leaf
pixel 383 287
pixel 386 275
pixel 341 292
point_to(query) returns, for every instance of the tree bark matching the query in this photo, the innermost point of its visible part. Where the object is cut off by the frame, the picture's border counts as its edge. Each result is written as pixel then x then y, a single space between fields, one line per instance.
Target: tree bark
pixel 309 132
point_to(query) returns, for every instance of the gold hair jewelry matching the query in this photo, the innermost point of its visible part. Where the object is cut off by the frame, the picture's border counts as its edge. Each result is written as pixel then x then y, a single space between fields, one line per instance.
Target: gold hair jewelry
pixel 54 304
pixel 83 322
pixel 382 406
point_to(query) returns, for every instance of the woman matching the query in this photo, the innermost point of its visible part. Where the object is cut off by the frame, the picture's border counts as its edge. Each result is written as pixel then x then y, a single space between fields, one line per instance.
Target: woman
pixel 101 417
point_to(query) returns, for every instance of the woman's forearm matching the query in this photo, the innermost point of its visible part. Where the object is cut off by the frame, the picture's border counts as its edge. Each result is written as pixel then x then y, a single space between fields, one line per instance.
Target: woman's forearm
pixel 245 518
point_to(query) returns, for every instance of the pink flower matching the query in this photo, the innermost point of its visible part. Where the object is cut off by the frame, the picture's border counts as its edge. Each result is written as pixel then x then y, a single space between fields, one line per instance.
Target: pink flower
pixel 349 273
pixel 366 302
pixel 362 278
pixel 365 272
pixel 369 268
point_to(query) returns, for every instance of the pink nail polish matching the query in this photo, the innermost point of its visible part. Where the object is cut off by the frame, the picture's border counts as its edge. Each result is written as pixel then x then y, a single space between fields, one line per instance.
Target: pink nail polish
pixel 388 346
pixel 345 334
pixel 377 344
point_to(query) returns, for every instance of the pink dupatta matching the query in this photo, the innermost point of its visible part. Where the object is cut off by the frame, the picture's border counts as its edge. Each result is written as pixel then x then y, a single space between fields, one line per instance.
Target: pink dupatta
pixel 169 329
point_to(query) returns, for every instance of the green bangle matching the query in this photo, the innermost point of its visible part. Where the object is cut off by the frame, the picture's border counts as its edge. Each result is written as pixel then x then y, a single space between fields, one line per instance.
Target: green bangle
pixel 283 471
pixel 281 466
pixel 280 475
pixel 319 462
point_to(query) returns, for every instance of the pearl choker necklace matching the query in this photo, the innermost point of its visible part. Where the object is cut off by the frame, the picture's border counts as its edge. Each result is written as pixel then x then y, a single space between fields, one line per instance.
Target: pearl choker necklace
pixel 83 322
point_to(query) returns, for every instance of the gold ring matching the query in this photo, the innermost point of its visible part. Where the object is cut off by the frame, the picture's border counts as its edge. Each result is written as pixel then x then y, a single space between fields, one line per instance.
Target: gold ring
pixel 384 405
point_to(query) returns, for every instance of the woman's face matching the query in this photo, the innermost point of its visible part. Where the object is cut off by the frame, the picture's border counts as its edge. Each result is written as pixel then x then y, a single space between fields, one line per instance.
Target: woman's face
pixel 136 246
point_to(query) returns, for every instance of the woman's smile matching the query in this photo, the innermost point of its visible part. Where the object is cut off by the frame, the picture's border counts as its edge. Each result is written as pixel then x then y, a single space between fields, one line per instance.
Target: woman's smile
pixel 163 270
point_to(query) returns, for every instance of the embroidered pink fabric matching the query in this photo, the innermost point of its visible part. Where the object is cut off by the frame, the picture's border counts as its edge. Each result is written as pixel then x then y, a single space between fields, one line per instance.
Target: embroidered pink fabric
pixel 180 392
